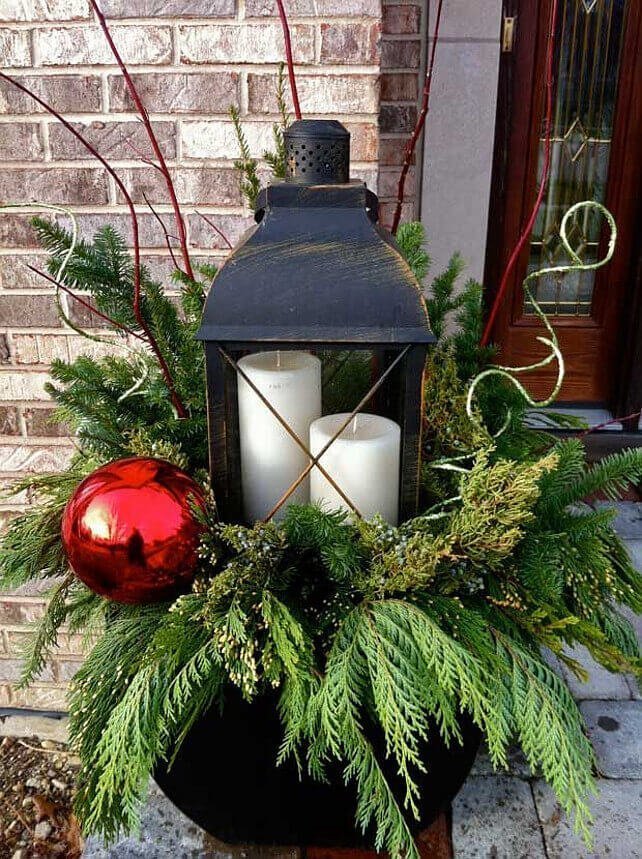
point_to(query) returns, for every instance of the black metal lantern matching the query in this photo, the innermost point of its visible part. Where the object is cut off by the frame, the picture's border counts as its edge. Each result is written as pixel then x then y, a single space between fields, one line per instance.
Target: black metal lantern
pixel 317 274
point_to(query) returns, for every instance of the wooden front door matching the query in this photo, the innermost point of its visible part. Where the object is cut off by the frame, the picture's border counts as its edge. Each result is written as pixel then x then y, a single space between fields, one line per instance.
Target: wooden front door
pixel 596 155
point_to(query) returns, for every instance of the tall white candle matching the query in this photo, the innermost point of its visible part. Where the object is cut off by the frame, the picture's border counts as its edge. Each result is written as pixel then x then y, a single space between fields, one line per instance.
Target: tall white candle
pixel 363 461
pixel 270 458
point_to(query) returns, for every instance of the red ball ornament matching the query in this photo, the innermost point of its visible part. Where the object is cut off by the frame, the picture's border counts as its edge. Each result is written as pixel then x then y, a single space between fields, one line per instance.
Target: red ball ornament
pixel 129 531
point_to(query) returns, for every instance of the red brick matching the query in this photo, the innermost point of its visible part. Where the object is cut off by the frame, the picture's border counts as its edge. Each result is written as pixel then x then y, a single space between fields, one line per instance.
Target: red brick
pixel 137 44
pixel 52 347
pixel 386 213
pixel 11 670
pixel 397 118
pixel 51 10
pixel 20 141
pixel 17 385
pixel 54 185
pixel 40 422
pixel 389 180
pixel 14 48
pixel 178 92
pixel 315 8
pixel 151 236
pixel 9 424
pixel 401 19
pixel 391 151
pixel 35 459
pixel 114 140
pixel 212 43
pixel 398 86
pixel 317 93
pixel 28 311
pixel 66 668
pixel 201 186
pixel 69 94
pixel 349 43
pixel 169 8
pixel 203 236
pixel 16 231
pixel 5 354
pixel 14 273
pixel 16 611
pixel 25 348
pixel 400 55
pixel 41 697
pixel 364 139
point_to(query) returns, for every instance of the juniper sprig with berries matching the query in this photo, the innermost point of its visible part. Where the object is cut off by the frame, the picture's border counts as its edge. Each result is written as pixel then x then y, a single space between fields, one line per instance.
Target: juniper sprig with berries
pixel 412 625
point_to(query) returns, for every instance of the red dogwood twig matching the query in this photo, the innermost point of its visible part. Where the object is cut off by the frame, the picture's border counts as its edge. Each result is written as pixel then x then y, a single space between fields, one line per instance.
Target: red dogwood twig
pixel 611 422
pixel 181 411
pixel 158 152
pixel 419 125
pixel 84 303
pixel 216 229
pixel 288 57
pixel 161 223
pixel 546 169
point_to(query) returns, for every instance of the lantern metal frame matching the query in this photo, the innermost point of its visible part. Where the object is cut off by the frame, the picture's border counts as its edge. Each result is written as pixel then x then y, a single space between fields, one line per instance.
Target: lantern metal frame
pixel 315 273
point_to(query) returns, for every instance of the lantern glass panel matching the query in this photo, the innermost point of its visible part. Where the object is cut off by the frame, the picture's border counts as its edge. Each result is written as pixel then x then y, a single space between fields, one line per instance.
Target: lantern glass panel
pixel 316 275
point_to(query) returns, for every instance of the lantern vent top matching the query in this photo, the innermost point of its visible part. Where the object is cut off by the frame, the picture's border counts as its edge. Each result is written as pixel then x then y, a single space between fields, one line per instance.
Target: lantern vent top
pixel 317 152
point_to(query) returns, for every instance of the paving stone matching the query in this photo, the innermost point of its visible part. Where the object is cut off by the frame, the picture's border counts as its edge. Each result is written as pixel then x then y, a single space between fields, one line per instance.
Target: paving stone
pixel 615 728
pixel 496 817
pixel 165 834
pixel 628 522
pixel 44 727
pixel 634 687
pixel 602 684
pixel 615 829
pixel 517 765
pixel 635 548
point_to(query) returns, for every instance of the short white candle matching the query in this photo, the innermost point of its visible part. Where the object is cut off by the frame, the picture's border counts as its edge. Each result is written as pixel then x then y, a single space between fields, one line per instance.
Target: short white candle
pixel 363 461
pixel 270 458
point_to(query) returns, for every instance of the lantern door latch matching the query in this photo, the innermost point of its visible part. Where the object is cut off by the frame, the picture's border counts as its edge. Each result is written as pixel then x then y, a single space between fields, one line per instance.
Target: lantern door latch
pixel 508 33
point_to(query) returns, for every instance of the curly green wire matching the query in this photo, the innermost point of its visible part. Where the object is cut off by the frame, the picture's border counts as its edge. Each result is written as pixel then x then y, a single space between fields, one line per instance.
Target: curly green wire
pixel 555 354
pixel 64 316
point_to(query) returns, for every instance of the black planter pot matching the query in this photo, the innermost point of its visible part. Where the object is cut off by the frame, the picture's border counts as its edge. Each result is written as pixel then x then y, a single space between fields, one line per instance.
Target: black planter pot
pixel 225 779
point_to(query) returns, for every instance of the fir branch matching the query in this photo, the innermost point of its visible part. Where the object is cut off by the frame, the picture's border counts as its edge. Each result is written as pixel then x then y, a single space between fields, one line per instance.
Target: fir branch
pixel 30 548
pixel 410 238
pixel 611 476
pixel 45 639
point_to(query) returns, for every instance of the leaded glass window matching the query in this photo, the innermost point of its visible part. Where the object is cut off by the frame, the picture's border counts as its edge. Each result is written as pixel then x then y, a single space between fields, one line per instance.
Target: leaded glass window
pixel 588 51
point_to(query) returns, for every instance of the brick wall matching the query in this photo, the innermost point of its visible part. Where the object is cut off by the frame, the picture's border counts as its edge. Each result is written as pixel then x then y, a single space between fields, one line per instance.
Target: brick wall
pixel 191 60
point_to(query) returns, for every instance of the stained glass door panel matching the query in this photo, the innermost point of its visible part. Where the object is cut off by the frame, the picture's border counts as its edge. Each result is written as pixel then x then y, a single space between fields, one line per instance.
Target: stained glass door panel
pixel 589 37
pixel 596 154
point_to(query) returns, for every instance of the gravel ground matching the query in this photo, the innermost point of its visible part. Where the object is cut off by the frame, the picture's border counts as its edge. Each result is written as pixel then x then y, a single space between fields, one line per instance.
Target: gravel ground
pixel 36 788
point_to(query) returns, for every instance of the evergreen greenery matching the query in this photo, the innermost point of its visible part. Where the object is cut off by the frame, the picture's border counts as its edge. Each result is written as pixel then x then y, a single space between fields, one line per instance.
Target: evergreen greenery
pixel 352 622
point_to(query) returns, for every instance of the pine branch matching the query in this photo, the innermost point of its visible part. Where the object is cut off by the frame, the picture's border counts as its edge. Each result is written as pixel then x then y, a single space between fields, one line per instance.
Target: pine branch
pixel 410 238
pixel 246 164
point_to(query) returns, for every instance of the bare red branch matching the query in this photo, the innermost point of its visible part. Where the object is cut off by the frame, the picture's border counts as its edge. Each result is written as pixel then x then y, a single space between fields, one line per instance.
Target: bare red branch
pixel 158 152
pixel 419 125
pixel 85 303
pixel 216 229
pixel 169 381
pixel 620 420
pixel 288 56
pixel 164 229
pixel 546 169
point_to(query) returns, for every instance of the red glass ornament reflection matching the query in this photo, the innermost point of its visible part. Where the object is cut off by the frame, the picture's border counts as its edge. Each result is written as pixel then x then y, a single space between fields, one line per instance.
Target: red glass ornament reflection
pixel 129 531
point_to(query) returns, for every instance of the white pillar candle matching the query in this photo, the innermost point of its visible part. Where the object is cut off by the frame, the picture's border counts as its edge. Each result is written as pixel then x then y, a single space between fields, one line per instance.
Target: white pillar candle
pixel 270 458
pixel 363 461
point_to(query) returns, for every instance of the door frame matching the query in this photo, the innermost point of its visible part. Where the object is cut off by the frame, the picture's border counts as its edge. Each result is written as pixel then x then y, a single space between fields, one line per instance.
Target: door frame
pixel 513 192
